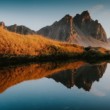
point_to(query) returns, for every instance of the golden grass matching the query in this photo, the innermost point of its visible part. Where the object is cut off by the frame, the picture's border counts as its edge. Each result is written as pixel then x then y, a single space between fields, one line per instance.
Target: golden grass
pixel 16 44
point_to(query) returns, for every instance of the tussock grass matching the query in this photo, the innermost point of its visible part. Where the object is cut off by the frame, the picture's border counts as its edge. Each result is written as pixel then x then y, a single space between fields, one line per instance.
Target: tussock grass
pixel 33 45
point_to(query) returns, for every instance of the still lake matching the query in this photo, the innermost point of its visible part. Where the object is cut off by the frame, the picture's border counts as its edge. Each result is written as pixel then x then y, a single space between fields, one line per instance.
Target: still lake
pixel 55 86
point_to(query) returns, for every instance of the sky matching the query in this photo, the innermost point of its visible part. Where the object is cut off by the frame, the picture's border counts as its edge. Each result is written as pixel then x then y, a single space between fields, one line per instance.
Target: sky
pixel 36 14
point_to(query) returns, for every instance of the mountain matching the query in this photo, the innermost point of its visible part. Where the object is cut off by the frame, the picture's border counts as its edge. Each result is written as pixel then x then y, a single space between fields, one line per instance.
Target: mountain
pixel 89 27
pixel 18 29
pixel 80 29
pixel 75 29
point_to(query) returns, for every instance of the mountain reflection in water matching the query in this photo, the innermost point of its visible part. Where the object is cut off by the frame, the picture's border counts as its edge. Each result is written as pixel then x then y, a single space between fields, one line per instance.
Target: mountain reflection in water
pixel 82 77
pixel 79 73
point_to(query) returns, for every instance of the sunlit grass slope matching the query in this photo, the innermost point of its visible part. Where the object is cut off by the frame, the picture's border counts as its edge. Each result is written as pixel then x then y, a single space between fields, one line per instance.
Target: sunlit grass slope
pixel 16 44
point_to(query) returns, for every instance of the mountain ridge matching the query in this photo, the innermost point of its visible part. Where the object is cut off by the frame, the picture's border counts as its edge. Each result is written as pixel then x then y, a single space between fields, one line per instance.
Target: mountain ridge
pixel 20 29
pixel 65 28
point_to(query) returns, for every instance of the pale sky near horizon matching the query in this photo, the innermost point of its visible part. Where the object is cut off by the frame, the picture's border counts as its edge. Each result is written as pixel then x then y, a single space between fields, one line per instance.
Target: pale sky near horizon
pixel 36 14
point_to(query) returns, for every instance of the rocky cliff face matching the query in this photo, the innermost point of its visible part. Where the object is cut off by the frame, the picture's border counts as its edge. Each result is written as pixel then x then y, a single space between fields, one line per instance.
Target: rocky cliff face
pixel 71 28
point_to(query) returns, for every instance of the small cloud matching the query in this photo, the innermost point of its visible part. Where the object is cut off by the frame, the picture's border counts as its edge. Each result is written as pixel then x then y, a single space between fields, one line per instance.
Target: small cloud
pixel 96 8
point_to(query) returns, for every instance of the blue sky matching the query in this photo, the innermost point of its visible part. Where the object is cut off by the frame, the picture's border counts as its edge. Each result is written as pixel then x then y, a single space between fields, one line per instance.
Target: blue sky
pixel 39 13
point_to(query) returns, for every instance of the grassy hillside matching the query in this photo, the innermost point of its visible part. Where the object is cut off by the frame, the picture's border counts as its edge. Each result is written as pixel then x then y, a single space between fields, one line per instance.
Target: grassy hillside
pixel 16 44
pixel 24 48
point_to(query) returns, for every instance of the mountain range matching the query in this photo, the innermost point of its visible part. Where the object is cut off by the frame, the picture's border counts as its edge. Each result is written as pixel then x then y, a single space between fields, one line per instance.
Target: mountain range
pixel 80 29
pixel 67 27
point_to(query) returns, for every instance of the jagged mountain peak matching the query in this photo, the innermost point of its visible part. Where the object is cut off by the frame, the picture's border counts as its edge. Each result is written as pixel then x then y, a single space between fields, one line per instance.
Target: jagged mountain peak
pixel 65 20
pixel 83 17
pixel 89 27
pixel 85 14
pixel 66 17
pixel 71 28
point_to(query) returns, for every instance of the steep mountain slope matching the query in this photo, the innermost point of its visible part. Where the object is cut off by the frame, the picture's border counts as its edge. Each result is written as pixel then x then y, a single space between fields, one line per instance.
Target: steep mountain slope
pixel 89 27
pixel 60 30
pixel 76 29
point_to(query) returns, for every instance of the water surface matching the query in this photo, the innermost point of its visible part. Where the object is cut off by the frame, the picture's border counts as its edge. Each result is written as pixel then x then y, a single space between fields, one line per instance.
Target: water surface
pixel 52 86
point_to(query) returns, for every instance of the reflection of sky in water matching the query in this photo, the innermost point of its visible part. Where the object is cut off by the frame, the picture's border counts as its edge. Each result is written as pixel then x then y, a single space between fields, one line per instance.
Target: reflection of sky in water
pixel 47 94
pixel 102 87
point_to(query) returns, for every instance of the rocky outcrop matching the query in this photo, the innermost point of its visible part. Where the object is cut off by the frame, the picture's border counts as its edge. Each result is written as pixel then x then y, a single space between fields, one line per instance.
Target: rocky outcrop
pixel 2 24
pixel 20 29
pixel 71 28
pixel 17 29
